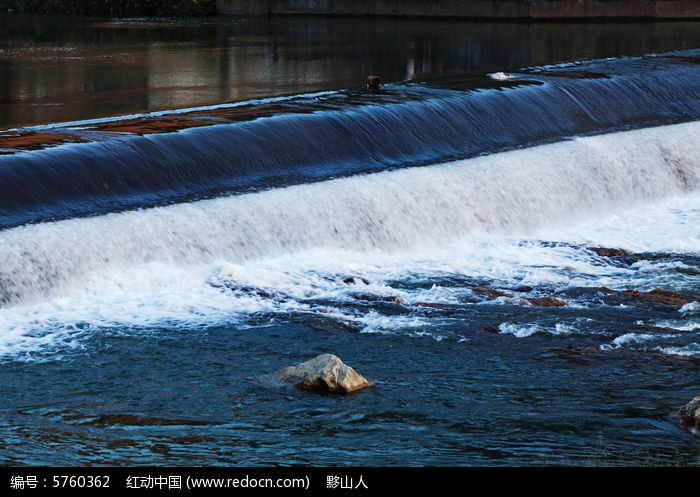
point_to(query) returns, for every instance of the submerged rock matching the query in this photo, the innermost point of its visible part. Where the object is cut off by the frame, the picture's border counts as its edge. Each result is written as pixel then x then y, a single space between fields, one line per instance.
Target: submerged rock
pixel 610 252
pixel 380 298
pixel 490 293
pixel 373 83
pixel 544 302
pixel 658 297
pixel 490 328
pixel 617 255
pixel 324 373
pixel 690 416
pixel 353 280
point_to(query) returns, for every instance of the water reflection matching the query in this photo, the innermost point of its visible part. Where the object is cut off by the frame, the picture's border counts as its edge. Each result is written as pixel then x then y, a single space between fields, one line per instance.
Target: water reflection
pixel 60 69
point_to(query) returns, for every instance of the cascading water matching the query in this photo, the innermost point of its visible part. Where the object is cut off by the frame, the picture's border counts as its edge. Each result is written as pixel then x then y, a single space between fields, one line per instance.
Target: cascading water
pixel 338 133
pixel 511 193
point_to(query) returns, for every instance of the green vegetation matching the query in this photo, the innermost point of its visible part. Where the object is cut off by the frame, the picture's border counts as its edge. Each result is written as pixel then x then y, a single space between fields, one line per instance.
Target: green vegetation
pixel 112 7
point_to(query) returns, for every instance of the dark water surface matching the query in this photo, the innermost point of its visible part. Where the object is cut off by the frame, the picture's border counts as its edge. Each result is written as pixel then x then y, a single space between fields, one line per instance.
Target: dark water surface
pixel 64 69
pixel 186 205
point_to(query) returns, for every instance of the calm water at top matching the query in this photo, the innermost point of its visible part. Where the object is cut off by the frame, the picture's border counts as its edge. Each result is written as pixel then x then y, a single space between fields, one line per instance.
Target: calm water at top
pixel 55 69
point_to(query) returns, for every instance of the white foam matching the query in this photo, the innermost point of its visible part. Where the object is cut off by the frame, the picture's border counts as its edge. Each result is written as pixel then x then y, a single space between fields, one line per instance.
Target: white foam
pixel 519 330
pixel 524 331
pixel 416 326
pixel 689 350
pixel 668 343
pixel 679 324
pixel 632 339
pixel 480 218
pixel 501 76
pixel 663 226
pixel 690 309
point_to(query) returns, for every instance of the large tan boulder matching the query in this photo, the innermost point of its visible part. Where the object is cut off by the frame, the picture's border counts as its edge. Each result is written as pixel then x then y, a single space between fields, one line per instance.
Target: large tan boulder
pixel 323 373
pixel 690 416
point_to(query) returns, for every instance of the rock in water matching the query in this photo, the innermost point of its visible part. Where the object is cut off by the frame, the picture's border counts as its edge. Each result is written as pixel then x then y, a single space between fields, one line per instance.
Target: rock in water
pixel 690 416
pixel 545 302
pixel 323 373
pixel 373 83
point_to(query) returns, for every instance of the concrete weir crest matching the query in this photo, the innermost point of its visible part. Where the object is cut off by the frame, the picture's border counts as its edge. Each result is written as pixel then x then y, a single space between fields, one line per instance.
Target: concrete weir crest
pixel 475 9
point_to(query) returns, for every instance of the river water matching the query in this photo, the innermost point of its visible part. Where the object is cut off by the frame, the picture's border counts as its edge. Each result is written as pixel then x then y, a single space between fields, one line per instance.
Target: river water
pixel 505 239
